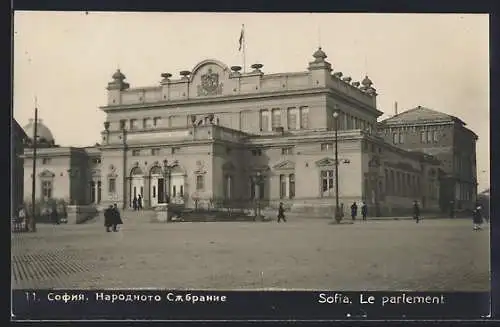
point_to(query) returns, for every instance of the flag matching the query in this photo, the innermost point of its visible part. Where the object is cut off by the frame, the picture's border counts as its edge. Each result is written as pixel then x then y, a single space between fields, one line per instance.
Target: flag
pixel 242 37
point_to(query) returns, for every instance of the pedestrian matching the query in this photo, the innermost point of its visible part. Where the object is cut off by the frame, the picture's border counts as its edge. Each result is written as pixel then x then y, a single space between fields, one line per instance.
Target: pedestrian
pixel 416 211
pixel 53 215
pixel 134 203
pixel 354 210
pixel 281 213
pixel 139 202
pixel 477 217
pixel 116 218
pixel 452 209
pixel 364 210
pixel 108 218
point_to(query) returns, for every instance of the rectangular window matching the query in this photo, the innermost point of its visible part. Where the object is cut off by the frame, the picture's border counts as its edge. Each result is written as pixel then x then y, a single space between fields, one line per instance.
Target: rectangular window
pixel 401 138
pixel 200 182
pixel 46 161
pixel 286 151
pixel 136 153
pixel 304 117
pixel 291 186
pixel 429 137
pixel 264 120
pixel 47 189
pixel 422 137
pixel 327 186
pixel 326 147
pixel 276 118
pixel 435 136
pixel 123 124
pixel 156 121
pixel 175 150
pixel 282 186
pixel 155 152
pixel 261 190
pixel 133 124
pixel 292 118
pixel 111 185
pixel 395 138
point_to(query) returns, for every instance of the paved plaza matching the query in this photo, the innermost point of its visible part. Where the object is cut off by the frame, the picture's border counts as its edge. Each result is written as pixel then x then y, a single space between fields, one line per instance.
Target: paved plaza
pixel 438 254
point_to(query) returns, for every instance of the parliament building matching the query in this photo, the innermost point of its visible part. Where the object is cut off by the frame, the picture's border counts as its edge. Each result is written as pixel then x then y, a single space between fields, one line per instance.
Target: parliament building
pixel 220 135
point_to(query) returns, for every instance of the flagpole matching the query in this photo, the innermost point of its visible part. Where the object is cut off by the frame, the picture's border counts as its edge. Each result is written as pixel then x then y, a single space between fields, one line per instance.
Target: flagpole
pixel 33 178
pixel 244 49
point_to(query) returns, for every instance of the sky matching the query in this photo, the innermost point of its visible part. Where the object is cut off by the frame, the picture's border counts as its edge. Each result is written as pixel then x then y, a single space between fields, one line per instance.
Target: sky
pixel 66 59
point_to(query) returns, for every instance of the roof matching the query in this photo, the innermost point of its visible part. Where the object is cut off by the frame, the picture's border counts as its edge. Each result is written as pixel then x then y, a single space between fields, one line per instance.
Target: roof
pixel 420 115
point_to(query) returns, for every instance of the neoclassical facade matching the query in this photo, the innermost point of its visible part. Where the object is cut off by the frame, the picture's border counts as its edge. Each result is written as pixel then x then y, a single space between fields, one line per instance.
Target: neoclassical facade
pixel 217 134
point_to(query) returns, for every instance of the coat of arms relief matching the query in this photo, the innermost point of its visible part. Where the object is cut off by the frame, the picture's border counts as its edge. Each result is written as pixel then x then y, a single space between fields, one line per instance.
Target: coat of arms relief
pixel 210 84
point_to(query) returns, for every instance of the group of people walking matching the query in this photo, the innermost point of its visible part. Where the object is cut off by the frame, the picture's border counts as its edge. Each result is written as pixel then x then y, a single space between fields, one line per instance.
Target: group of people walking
pixel 354 210
pixel 137 202
pixel 112 218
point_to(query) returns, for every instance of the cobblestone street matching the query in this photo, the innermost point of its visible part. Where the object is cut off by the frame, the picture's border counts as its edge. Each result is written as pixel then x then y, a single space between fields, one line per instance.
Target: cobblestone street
pixel 438 254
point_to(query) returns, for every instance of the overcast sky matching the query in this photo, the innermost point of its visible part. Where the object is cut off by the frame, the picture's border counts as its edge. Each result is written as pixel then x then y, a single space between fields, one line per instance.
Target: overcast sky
pixel 66 59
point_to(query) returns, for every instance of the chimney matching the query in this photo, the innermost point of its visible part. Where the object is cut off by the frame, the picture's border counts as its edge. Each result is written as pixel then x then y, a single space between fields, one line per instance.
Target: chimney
pixel 395 108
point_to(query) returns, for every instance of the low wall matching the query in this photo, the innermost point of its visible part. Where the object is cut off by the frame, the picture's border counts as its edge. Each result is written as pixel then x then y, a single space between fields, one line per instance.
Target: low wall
pixel 78 214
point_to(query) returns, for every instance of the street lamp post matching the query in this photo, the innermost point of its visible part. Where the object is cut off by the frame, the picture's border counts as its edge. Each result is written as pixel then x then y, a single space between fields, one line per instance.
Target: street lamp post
pixel 166 187
pixel 258 182
pixel 338 216
pixel 33 181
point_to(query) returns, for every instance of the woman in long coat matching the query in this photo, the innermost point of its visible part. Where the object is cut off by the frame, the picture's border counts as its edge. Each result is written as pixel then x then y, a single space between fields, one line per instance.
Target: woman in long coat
pixel 116 218
pixel 108 218
pixel 477 217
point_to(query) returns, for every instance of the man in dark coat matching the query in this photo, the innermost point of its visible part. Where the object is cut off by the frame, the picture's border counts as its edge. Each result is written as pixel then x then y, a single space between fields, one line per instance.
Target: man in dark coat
pixel 139 202
pixel 364 210
pixel 477 217
pixel 108 218
pixel 134 203
pixel 53 215
pixel 354 210
pixel 416 211
pixel 116 218
pixel 281 213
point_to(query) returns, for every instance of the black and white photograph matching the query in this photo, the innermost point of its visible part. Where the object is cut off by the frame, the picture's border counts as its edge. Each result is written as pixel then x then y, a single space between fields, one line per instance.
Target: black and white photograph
pixel 250 151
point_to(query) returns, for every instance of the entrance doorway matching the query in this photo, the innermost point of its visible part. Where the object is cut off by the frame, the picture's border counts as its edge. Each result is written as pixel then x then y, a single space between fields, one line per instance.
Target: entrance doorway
pixel 136 184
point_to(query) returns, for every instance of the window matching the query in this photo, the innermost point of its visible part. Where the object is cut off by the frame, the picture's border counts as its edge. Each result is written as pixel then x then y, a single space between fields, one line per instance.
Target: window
pixel 147 123
pixel 133 124
pixel 175 150
pixel 422 137
pixel 200 182
pixel 156 121
pixel 435 136
pixel 99 191
pixel 96 160
pixel 286 151
pixel 155 152
pixel 112 185
pixel 429 137
pixel 326 147
pixel 327 183
pixel 181 190
pixel 291 186
pixel 401 138
pixel 45 161
pixel 387 185
pixel 123 124
pixel 257 152
pixel 261 189
pixel 47 189
pixel 395 138
pixel 282 186
pixel 304 117
pixel 136 153
pixel 292 118
pixel 276 118
pixel 264 120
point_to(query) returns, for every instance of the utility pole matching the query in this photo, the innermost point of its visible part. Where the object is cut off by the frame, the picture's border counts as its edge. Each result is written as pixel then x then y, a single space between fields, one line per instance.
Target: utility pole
pixel 33 177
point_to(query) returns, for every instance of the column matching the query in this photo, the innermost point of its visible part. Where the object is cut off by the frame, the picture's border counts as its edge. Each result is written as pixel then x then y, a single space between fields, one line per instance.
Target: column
pixel 146 197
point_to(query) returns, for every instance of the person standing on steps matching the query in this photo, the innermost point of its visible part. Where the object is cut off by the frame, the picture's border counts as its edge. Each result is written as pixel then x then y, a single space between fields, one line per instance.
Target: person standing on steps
pixel 354 210
pixel 116 218
pixel 364 210
pixel 416 211
pixel 281 213
pixel 139 202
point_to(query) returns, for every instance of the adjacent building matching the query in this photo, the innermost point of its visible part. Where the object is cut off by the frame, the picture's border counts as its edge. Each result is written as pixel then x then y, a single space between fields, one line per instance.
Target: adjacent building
pixel 220 136
pixel 446 138
pixel 17 165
